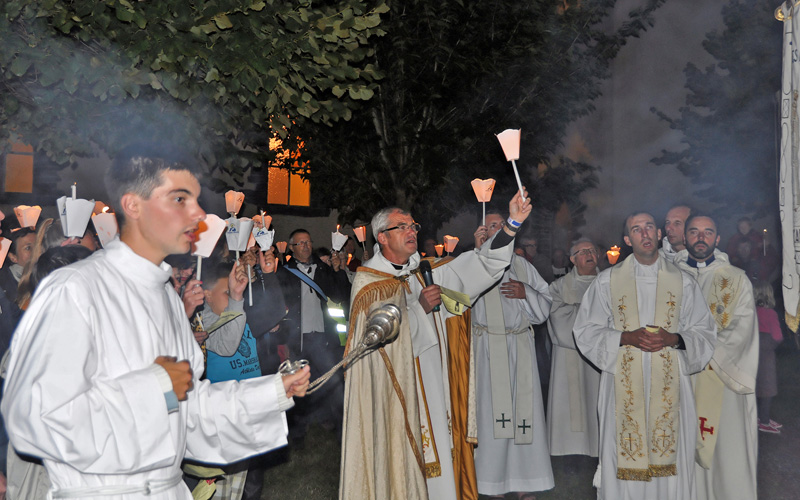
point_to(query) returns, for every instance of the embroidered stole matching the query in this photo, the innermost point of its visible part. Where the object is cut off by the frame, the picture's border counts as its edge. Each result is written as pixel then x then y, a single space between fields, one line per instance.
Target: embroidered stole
pixel 646 431
pixel 510 420
pixel 708 387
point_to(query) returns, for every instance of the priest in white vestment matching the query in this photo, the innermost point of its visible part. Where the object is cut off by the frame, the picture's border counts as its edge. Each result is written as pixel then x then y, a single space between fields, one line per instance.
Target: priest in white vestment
pixel 646 405
pixel 572 424
pixel 727 445
pixel 674 225
pixel 512 452
pixel 103 378
pixel 397 442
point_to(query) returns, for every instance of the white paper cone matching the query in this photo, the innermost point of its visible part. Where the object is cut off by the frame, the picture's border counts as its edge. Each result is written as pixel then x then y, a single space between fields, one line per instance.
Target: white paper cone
pixel 5 244
pixel 207 235
pixel 106 226
pixel 483 189
pixel 361 233
pixel 75 215
pixel 233 202
pixel 264 220
pixel 281 245
pixel 509 141
pixel 263 237
pixel 27 216
pixel 337 241
pixel 238 233
pixel 439 250
pixel 450 243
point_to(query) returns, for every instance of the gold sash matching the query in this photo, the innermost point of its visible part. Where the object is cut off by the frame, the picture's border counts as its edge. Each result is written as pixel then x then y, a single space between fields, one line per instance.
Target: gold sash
pixel 646 440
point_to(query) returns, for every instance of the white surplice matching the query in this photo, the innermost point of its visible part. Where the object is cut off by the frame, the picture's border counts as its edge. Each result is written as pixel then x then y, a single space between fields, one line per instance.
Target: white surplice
pixel 501 465
pixel 733 470
pixel 572 425
pixel 598 340
pixel 470 273
pixel 83 393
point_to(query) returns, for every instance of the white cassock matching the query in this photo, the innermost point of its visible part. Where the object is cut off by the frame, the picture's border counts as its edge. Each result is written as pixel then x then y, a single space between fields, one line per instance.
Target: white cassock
pixel 572 425
pixel 470 273
pixel 83 392
pixel 501 465
pixel 597 339
pixel 733 471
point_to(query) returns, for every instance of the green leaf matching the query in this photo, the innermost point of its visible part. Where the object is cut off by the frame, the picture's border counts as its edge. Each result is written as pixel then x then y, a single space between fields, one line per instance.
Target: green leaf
pixel 20 65
pixel 222 21
pixel 123 14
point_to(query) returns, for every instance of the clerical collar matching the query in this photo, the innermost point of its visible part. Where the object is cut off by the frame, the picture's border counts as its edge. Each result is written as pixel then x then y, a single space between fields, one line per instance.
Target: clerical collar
pixel 694 263
pixel 396 266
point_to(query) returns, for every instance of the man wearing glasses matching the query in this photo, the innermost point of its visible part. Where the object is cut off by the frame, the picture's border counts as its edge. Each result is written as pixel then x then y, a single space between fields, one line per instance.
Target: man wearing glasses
pixel 572 425
pixel 307 284
pixel 401 435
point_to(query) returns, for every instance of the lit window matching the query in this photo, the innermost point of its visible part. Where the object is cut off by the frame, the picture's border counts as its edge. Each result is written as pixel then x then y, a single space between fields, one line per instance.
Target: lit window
pixel 19 169
pixel 284 186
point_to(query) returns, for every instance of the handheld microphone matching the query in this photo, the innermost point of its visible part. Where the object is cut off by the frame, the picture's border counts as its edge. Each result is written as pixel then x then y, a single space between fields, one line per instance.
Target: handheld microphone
pixel 427 276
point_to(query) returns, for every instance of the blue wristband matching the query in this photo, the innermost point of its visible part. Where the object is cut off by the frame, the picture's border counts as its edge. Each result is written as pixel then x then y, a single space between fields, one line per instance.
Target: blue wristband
pixel 513 223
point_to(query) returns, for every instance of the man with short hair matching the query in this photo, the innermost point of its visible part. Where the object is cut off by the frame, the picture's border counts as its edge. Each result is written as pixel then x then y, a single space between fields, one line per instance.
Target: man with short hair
pixel 543 265
pixel 512 453
pixel 572 425
pixel 674 229
pixel 645 325
pixel 402 437
pixel 103 378
pixel 727 444
pixel 308 284
pixel 19 254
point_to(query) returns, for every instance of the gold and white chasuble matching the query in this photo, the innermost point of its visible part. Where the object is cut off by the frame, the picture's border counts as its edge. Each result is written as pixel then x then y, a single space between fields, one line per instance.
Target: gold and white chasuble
pixel 397 440
pixel 597 337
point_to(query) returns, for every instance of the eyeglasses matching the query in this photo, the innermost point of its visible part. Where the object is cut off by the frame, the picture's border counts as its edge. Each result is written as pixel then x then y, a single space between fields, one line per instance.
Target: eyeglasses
pixel 301 243
pixel 404 227
pixel 585 252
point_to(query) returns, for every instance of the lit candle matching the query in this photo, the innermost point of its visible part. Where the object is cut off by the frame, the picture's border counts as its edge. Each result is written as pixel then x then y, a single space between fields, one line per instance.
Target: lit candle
pixel 439 250
pixel 75 191
pixel 764 243
pixel 613 255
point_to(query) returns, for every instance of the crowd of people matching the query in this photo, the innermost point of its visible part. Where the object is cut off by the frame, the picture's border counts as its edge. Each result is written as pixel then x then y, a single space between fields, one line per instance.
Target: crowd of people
pixel 126 370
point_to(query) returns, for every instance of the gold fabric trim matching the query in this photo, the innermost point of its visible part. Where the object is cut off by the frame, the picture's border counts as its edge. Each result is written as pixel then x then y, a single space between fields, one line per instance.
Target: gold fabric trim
pixel 399 391
pixel 433 470
pixel 663 470
pixel 633 474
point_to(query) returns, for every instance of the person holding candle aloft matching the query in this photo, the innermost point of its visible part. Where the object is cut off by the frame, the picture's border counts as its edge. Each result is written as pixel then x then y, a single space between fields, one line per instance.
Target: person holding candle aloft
pixel 407 383
pixel 512 453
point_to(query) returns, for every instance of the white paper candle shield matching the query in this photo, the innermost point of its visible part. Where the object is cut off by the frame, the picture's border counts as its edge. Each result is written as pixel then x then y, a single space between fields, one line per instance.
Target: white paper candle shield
pixel 264 221
pixel 509 141
pixel 338 240
pixel 106 226
pixel 361 233
pixel 27 216
pixel 233 201
pixel 450 243
pixel 75 215
pixel 439 250
pixel 5 244
pixel 483 189
pixel 263 237
pixel 238 233
pixel 281 245
pixel 207 235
